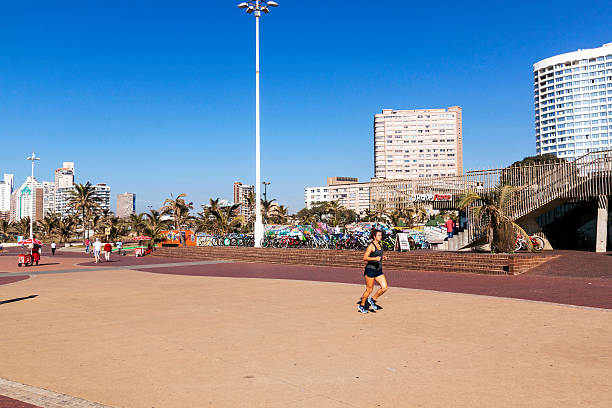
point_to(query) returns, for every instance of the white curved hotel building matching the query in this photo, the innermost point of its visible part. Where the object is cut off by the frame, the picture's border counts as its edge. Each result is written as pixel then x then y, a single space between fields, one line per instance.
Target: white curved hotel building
pixel 573 102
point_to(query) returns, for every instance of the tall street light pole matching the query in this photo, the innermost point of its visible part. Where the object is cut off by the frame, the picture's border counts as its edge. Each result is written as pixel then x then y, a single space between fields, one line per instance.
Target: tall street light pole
pixel 265 184
pixel 32 158
pixel 256 7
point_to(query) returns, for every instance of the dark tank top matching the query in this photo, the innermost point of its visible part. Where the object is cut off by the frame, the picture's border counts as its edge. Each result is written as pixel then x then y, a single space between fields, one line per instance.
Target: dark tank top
pixel 375 265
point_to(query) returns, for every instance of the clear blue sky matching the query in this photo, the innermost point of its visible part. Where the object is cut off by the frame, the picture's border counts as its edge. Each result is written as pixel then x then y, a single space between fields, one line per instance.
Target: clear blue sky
pixel 158 97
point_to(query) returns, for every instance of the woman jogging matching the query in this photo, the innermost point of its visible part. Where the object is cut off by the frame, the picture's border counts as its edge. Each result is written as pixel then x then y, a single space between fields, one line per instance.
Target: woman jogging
pixel 373 273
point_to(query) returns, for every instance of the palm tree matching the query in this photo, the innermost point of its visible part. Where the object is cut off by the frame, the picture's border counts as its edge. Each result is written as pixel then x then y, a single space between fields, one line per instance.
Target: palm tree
pixel 154 225
pixel 226 218
pixel 334 208
pixel 178 208
pixel 491 213
pixel 267 209
pixel 137 223
pixel 65 228
pixel 5 229
pixel 49 225
pixel 82 199
pixel 23 227
pixel 280 214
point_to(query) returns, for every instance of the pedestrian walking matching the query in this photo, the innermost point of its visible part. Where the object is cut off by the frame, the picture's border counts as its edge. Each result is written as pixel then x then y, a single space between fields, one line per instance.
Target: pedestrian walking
pixel 107 251
pixel 97 246
pixel 373 273
pixel 87 243
pixel 450 227
pixel 1 249
pixel 119 245
pixel 53 248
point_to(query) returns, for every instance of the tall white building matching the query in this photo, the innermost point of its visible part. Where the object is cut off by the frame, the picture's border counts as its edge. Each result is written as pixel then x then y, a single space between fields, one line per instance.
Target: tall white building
pixel 418 143
pixel 30 190
pixel 48 197
pixel 103 193
pixel 6 188
pixel 573 102
pixel 64 184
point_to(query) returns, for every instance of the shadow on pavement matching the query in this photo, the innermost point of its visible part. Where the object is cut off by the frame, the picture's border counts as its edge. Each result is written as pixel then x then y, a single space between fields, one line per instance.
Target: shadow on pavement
pixel 17 299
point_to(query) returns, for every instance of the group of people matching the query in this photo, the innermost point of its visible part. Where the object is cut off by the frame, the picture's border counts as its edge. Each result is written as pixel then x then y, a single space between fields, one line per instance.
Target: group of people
pixel 98 247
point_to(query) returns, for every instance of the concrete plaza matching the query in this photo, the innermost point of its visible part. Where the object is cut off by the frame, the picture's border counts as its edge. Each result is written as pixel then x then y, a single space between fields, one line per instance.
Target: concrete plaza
pixel 133 338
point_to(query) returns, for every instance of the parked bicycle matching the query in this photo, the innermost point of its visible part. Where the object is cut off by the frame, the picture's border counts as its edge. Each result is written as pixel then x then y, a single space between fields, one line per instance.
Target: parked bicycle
pixel 521 243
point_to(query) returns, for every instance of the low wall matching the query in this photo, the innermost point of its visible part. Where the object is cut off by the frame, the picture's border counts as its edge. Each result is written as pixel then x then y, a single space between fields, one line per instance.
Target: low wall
pixel 433 261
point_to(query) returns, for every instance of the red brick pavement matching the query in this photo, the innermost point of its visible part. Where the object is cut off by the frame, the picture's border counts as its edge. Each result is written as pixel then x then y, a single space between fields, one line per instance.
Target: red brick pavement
pixel 11 279
pixel 593 292
pixel 6 402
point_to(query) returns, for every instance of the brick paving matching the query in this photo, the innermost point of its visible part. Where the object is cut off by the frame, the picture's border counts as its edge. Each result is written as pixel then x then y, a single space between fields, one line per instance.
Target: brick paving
pixel 17 395
pixel 583 291
pixel 6 402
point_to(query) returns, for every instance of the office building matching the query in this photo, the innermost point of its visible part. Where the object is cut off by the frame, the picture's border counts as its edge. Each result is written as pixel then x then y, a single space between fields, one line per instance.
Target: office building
pixel 418 143
pixel 241 194
pixel 126 204
pixel 348 191
pixel 573 102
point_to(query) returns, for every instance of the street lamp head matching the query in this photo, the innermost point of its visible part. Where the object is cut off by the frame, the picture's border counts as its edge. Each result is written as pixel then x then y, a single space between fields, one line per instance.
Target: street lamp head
pixel 265 10
pixel 250 9
pixel 272 4
pixel 243 5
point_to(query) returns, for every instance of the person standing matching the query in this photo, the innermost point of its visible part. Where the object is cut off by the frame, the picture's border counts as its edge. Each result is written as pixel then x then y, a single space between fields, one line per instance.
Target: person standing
pixel 450 227
pixel 1 248
pixel 53 248
pixel 373 273
pixel 87 243
pixel 35 254
pixel 107 251
pixel 97 246
pixel 119 245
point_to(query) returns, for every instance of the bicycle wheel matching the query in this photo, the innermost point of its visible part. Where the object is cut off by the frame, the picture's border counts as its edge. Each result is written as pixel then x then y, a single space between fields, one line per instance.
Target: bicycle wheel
pixel 233 242
pixel 538 243
pixel 518 245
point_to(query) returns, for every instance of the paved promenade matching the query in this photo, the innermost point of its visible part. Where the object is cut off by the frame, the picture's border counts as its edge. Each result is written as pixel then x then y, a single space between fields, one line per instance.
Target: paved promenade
pixel 152 333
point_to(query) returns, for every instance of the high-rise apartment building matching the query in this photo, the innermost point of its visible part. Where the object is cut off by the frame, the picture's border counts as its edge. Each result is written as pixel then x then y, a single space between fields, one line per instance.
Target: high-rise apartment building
pixel 48 197
pixel 21 200
pixel 418 143
pixel 6 189
pixel 64 184
pixel 241 194
pixel 103 193
pixel 573 102
pixel 126 204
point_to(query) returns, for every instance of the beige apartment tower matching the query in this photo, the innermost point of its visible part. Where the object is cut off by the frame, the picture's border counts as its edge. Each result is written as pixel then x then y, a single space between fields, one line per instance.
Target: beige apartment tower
pixel 418 143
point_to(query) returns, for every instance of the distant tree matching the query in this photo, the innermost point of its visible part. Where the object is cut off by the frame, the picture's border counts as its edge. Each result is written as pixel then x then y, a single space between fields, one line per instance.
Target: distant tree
pixel 539 159
pixel 82 200
pixel 178 208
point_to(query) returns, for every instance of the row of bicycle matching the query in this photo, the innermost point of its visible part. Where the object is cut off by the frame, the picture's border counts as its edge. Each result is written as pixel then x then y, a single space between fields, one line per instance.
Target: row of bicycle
pixel 312 241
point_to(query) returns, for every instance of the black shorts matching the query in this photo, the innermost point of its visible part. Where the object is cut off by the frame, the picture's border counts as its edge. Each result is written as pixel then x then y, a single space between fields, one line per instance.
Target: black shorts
pixel 372 273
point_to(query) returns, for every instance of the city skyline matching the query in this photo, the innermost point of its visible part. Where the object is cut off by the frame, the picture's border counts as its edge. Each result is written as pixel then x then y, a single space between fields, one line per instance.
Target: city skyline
pixel 142 97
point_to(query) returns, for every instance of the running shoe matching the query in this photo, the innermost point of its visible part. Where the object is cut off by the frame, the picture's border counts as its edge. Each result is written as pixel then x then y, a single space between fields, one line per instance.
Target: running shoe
pixel 372 303
pixel 362 309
